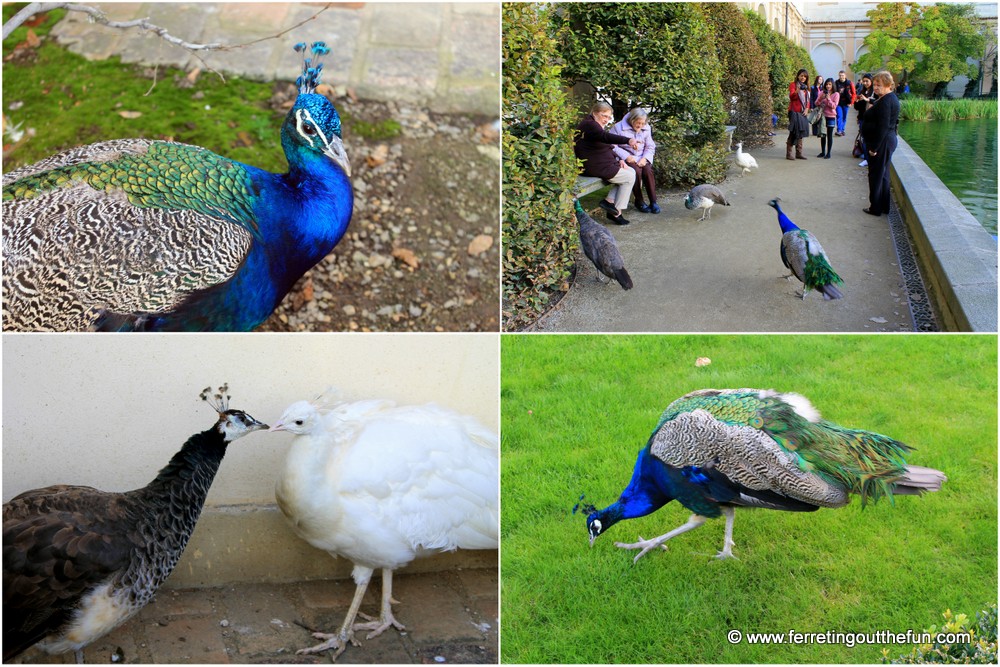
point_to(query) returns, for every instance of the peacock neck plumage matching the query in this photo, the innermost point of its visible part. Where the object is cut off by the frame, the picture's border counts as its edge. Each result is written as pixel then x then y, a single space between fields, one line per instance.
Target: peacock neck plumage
pixel 786 224
pixel 648 491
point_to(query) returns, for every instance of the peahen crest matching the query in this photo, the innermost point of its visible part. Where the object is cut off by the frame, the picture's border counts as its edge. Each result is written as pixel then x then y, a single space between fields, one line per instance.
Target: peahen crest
pixel 220 400
pixel 309 79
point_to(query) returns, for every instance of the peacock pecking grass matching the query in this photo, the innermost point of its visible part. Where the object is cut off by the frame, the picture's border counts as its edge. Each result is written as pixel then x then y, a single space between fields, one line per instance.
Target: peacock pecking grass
pixel 575 412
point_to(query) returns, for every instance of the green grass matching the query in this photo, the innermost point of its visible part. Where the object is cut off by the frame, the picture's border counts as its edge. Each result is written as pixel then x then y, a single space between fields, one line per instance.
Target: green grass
pixel 71 101
pixel 577 409
pixel 919 109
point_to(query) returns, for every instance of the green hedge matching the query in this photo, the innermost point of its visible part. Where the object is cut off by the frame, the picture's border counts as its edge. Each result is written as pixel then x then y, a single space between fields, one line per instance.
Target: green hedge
pixel 539 168
pixel 658 56
pixel 746 77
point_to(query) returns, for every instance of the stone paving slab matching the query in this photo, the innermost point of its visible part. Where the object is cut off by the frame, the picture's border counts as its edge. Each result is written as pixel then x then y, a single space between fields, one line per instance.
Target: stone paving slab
pixel 451 617
pixel 442 55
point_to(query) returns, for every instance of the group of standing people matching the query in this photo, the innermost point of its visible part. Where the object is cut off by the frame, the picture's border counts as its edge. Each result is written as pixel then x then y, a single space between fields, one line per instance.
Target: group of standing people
pixel 878 117
pixel 622 156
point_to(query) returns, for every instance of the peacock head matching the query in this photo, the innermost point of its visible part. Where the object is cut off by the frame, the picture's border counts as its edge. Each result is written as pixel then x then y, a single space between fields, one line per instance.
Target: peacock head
pixel 300 418
pixel 313 124
pixel 595 519
pixel 688 202
pixel 232 424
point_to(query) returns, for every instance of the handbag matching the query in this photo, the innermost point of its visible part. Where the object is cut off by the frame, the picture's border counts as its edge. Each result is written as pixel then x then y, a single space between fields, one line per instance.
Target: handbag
pixel 858 149
pixel 815 115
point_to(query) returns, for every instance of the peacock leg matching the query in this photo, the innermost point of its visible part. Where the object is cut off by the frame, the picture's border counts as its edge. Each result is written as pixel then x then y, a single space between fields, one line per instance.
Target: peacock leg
pixel 727 544
pixel 648 545
pixel 338 642
pixel 703 213
pixel 386 619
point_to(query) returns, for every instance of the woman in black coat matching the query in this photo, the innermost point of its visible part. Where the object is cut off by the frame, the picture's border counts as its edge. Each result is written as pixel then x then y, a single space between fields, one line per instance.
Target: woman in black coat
pixel 879 133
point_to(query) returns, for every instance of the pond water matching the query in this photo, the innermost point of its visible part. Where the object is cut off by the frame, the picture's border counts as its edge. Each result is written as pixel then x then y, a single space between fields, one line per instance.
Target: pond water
pixel 963 154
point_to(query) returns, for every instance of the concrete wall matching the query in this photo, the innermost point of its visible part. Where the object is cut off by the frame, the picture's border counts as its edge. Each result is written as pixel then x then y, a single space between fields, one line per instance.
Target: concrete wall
pixel 443 55
pixel 110 411
pixel 957 256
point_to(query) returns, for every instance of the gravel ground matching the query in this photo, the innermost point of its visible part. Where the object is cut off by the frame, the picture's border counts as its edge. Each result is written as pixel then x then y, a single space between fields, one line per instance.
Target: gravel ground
pixel 422 252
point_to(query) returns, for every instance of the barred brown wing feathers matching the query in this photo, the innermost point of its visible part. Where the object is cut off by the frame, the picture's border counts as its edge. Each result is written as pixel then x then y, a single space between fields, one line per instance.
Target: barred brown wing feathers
pixel 105 253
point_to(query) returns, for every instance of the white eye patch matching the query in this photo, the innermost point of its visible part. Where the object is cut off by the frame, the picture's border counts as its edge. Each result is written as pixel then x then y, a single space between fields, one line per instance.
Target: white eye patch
pixel 302 116
pixel 596 527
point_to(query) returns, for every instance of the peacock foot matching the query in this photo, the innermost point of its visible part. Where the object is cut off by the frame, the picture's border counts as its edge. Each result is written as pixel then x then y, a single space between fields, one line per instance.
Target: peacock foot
pixel 334 642
pixel 380 625
pixel 645 545
pixel 727 552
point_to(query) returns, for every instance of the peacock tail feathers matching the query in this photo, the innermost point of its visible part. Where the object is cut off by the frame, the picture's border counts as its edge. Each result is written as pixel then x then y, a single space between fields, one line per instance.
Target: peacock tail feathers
pixel 862 462
pixel 818 271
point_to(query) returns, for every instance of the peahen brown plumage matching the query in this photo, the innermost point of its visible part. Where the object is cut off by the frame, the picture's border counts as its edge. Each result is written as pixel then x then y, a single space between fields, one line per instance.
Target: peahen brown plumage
pixel 601 248
pixel 717 449
pixel 79 562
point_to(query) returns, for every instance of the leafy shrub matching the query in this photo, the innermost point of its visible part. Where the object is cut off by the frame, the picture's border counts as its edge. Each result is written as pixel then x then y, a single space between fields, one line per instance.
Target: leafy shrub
pixel 658 56
pixel 746 87
pixel 539 167
pixel 779 63
pixel 981 649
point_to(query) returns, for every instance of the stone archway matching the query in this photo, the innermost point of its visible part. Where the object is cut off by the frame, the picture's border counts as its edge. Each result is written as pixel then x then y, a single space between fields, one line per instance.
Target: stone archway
pixel 829 60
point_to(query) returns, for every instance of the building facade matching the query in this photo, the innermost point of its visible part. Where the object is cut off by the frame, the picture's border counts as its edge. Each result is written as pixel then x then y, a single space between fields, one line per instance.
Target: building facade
pixel 834 32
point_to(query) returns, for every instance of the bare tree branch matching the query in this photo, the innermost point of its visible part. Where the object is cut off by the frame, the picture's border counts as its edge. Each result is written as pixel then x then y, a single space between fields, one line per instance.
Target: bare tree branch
pixel 98 16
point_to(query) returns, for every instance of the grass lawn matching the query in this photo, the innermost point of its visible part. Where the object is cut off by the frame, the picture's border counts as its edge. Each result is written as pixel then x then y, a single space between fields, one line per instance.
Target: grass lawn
pixel 577 409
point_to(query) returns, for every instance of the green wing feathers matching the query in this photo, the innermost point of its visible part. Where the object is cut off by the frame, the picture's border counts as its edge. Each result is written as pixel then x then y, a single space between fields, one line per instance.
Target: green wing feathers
pixel 865 463
pixel 165 175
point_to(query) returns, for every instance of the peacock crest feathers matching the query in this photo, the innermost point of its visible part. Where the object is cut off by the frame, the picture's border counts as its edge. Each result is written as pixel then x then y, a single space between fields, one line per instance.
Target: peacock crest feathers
pixel 309 79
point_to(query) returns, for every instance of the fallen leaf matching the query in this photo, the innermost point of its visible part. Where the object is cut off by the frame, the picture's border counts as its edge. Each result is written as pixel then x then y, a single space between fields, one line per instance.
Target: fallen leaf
pixel 192 76
pixel 379 156
pixel 406 256
pixel 243 139
pixel 32 39
pixel 702 361
pixel 480 244
pixel 326 90
pixel 130 114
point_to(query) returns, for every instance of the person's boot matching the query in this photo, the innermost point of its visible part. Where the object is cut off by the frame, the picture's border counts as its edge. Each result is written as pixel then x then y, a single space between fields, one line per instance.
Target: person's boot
pixel 822 147
pixel 798 150
pixel 788 151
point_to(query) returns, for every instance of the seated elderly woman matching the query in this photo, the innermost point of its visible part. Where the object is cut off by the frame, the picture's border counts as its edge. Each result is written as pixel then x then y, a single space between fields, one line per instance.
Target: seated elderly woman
pixel 594 145
pixel 635 125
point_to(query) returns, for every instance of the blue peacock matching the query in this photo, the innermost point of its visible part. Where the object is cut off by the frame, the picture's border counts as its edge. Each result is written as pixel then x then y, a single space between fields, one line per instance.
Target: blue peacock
pixel 802 254
pixel 717 449
pixel 135 234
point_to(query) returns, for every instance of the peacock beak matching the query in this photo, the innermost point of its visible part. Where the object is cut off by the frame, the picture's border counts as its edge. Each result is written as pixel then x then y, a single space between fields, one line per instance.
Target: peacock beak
pixel 592 538
pixel 280 426
pixel 335 151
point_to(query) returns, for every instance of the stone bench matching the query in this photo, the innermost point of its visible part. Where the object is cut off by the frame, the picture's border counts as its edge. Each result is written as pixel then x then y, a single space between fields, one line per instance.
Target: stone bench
pixel 587 184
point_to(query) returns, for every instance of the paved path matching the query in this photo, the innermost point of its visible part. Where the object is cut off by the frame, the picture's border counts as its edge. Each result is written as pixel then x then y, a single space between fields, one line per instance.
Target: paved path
pixel 724 274
pixel 443 55
pixel 448 615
